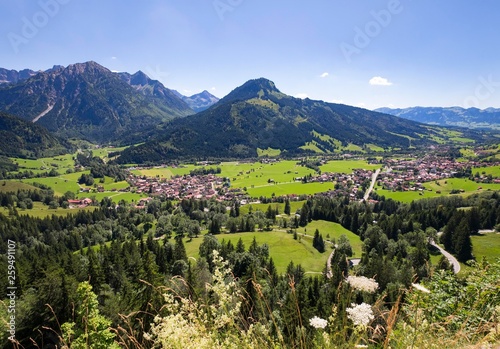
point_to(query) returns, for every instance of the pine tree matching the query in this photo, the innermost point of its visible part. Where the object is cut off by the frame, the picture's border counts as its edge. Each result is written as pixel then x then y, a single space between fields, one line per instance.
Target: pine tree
pixel 90 329
pixel 179 250
pixel 287 207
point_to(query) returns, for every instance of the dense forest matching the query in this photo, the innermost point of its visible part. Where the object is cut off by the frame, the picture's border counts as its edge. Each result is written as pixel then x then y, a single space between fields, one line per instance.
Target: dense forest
pixel 115 264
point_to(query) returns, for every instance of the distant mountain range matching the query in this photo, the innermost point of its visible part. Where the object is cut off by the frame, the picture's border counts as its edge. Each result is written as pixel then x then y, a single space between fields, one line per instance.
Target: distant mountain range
pixel 88 101
pixel 14 76
pixel 452 116
pixel 257 115
pixel 200 101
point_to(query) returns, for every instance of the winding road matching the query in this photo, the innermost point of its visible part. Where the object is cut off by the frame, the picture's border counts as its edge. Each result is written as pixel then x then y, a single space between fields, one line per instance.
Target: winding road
pixel 453 261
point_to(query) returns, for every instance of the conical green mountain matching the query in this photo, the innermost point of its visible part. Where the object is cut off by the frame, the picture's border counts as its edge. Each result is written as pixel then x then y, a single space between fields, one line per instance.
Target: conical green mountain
pixel 257 115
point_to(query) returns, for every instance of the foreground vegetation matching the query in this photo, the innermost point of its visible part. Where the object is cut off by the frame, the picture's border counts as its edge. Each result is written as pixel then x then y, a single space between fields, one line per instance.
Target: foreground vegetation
pixel 157 279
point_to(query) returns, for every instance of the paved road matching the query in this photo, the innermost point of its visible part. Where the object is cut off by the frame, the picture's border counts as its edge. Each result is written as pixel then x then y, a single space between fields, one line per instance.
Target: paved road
pixel 453 261
pixel 329 265
pixel 374 180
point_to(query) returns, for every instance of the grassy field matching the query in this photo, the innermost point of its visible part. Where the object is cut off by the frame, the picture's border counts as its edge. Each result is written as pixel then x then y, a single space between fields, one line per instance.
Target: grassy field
pixel 60 163
pixel 334 230
pixel 347 166
pixel 268 152
pixel 297 188
pixel 166 172
pixel 116 197
pixel 294 206
pixel 486 245
pixel 61 184
pixel 445 186
pixel 282 248
pixel 103 153
pixel 375 148
pixel 40 210
pixel 14 186
pixel 493 170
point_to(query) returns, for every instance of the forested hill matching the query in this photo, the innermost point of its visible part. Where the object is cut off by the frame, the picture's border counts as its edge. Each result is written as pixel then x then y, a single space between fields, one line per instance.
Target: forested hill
pixel 19 138
pixel 257 115
pixel 88 101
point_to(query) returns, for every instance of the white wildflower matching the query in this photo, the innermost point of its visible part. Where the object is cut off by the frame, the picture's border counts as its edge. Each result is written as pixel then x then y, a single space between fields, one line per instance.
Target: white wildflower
pixel 318 322
pixel 360 314
pixel 362 283
pixel 421 288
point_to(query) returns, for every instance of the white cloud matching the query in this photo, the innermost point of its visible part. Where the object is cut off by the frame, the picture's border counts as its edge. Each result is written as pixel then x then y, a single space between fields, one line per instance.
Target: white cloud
pixel 113 58
pixel 379 81
pixel 213 89
pixel 324 75
pixel 301 95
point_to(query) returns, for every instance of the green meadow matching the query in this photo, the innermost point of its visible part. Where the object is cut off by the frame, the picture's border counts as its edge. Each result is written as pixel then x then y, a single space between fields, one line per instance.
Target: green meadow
pixel 445 186
pixel 493 170
pixel 347 166
pixel 14 186
pixel 282 248
pixel 294 206
pixel 487 246
pixel 165 172
pixel 297 188
pixel 40 210
pixel 334 230
pixel 59 163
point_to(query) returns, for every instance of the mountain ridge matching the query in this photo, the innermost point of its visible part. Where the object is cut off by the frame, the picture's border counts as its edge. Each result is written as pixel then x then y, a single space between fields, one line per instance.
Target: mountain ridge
pixel 87 100
pixel 449 116
pixel 199 101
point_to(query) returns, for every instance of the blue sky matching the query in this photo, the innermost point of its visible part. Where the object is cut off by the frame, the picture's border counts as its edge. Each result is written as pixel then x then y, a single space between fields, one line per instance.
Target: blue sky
pixel 375 53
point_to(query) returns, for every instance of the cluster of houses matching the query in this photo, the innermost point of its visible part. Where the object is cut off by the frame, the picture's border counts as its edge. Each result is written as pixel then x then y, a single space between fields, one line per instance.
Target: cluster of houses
pixel 79 203
pixel 398 175
pixel 409 175
pixel 184 187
